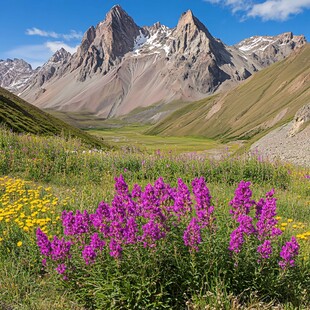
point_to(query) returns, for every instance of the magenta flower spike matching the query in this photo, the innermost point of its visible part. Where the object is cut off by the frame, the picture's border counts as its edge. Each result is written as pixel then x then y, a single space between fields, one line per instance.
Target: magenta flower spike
pixel 43 243
pixel 192 236
pixel 242 203
pixel 265 249
pixel 289 251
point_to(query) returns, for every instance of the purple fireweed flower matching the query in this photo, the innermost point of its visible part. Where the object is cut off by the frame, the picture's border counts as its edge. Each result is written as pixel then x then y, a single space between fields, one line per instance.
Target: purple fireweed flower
pixel 242 203
pixel 43 243
pixel 89 254
pixel 82 222
pixel 182 200
pixel 151 205
pixel 123 201
pixel 202 194
pixel 61 268
pixel 136 191
pixel 116 230
pixel 105 230
pixel 236 240
pixel 163 191
pixel 289 251
pixel 68 221
pixel 265 249
pixel 237 236
pixel 121 186
pixel 131 231
pixel 259 206
pixel 136 195
pixel 307 176
pixel 266 219
pixel 152 232
pixel 192 236
pixel 118 210
pixel 149 199
pixel 115 249
pixel 101 218
pixel 246 224
pixel 60 249
pixel 131 208
pixel 75 224
pixel 205 217
pixel 203 206
pixel 96 243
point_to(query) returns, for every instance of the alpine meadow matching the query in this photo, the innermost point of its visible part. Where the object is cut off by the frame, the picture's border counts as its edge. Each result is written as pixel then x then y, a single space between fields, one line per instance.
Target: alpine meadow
pixel 156 167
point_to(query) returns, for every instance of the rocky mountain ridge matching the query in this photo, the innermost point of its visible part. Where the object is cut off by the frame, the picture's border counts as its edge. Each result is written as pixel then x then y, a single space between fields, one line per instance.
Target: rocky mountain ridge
pixel 270 49
pixel 14 74
pixel 120 66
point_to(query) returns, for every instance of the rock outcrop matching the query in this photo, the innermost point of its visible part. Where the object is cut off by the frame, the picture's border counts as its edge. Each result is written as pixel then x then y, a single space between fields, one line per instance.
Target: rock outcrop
pixel 301 120
pixel 290 142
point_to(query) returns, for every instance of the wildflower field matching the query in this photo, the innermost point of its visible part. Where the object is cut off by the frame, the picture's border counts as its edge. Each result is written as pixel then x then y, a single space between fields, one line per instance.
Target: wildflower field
pixel 126 229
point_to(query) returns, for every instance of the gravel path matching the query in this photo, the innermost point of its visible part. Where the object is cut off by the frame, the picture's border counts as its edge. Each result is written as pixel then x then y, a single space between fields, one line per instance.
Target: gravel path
pixel 279 145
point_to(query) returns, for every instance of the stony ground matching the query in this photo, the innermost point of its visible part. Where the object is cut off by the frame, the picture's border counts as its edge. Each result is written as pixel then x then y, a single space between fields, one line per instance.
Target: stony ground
pixel 278 144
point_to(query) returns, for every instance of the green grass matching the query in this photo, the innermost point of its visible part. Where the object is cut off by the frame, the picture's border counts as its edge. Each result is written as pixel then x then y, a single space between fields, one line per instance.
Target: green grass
pixel 134 136
pixel 20 116
pixel 251 108
pixel 80 179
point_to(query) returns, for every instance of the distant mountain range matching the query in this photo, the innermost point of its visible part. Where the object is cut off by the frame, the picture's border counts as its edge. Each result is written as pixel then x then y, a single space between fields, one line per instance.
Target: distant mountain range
pixel 120 66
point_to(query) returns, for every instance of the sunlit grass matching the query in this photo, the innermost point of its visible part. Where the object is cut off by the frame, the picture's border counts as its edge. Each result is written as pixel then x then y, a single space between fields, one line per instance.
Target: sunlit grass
pixel 134 136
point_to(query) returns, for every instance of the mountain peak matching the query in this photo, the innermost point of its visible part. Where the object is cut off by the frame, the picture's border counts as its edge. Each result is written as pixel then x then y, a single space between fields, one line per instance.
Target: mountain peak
pixel 103 47
pixel 116 7
pixel 116 12
pixel 188 15
pixel 188 18
pixel 60 55
pixel 190 34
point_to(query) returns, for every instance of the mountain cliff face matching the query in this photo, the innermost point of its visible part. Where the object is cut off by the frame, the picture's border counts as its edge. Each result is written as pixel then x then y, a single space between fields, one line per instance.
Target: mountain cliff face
pixel 120 66
pixel 104 46
pixel 267 50
pixel 53 68
pixel 14 74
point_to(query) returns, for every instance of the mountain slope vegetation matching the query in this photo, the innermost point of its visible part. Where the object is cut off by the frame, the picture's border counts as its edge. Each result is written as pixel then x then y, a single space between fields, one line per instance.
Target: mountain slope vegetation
pixel 268 99
pixel 20 116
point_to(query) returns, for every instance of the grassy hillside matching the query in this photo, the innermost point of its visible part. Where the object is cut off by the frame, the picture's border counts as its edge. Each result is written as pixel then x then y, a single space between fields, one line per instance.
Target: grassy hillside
pixel 20 116
pixel 269 98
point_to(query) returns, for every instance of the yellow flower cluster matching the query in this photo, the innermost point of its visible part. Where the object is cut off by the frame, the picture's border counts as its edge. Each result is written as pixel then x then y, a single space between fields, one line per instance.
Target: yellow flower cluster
pixel 25 206
pixel 296 226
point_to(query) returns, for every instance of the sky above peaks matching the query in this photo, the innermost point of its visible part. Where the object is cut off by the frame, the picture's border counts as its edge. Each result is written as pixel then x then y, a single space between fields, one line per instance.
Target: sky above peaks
pixel 35 29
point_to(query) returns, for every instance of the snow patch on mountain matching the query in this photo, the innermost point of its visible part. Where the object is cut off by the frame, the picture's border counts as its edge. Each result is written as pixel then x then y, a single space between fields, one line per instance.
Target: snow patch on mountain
pixel 257 43
pixel 15 74
pixel 153 42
